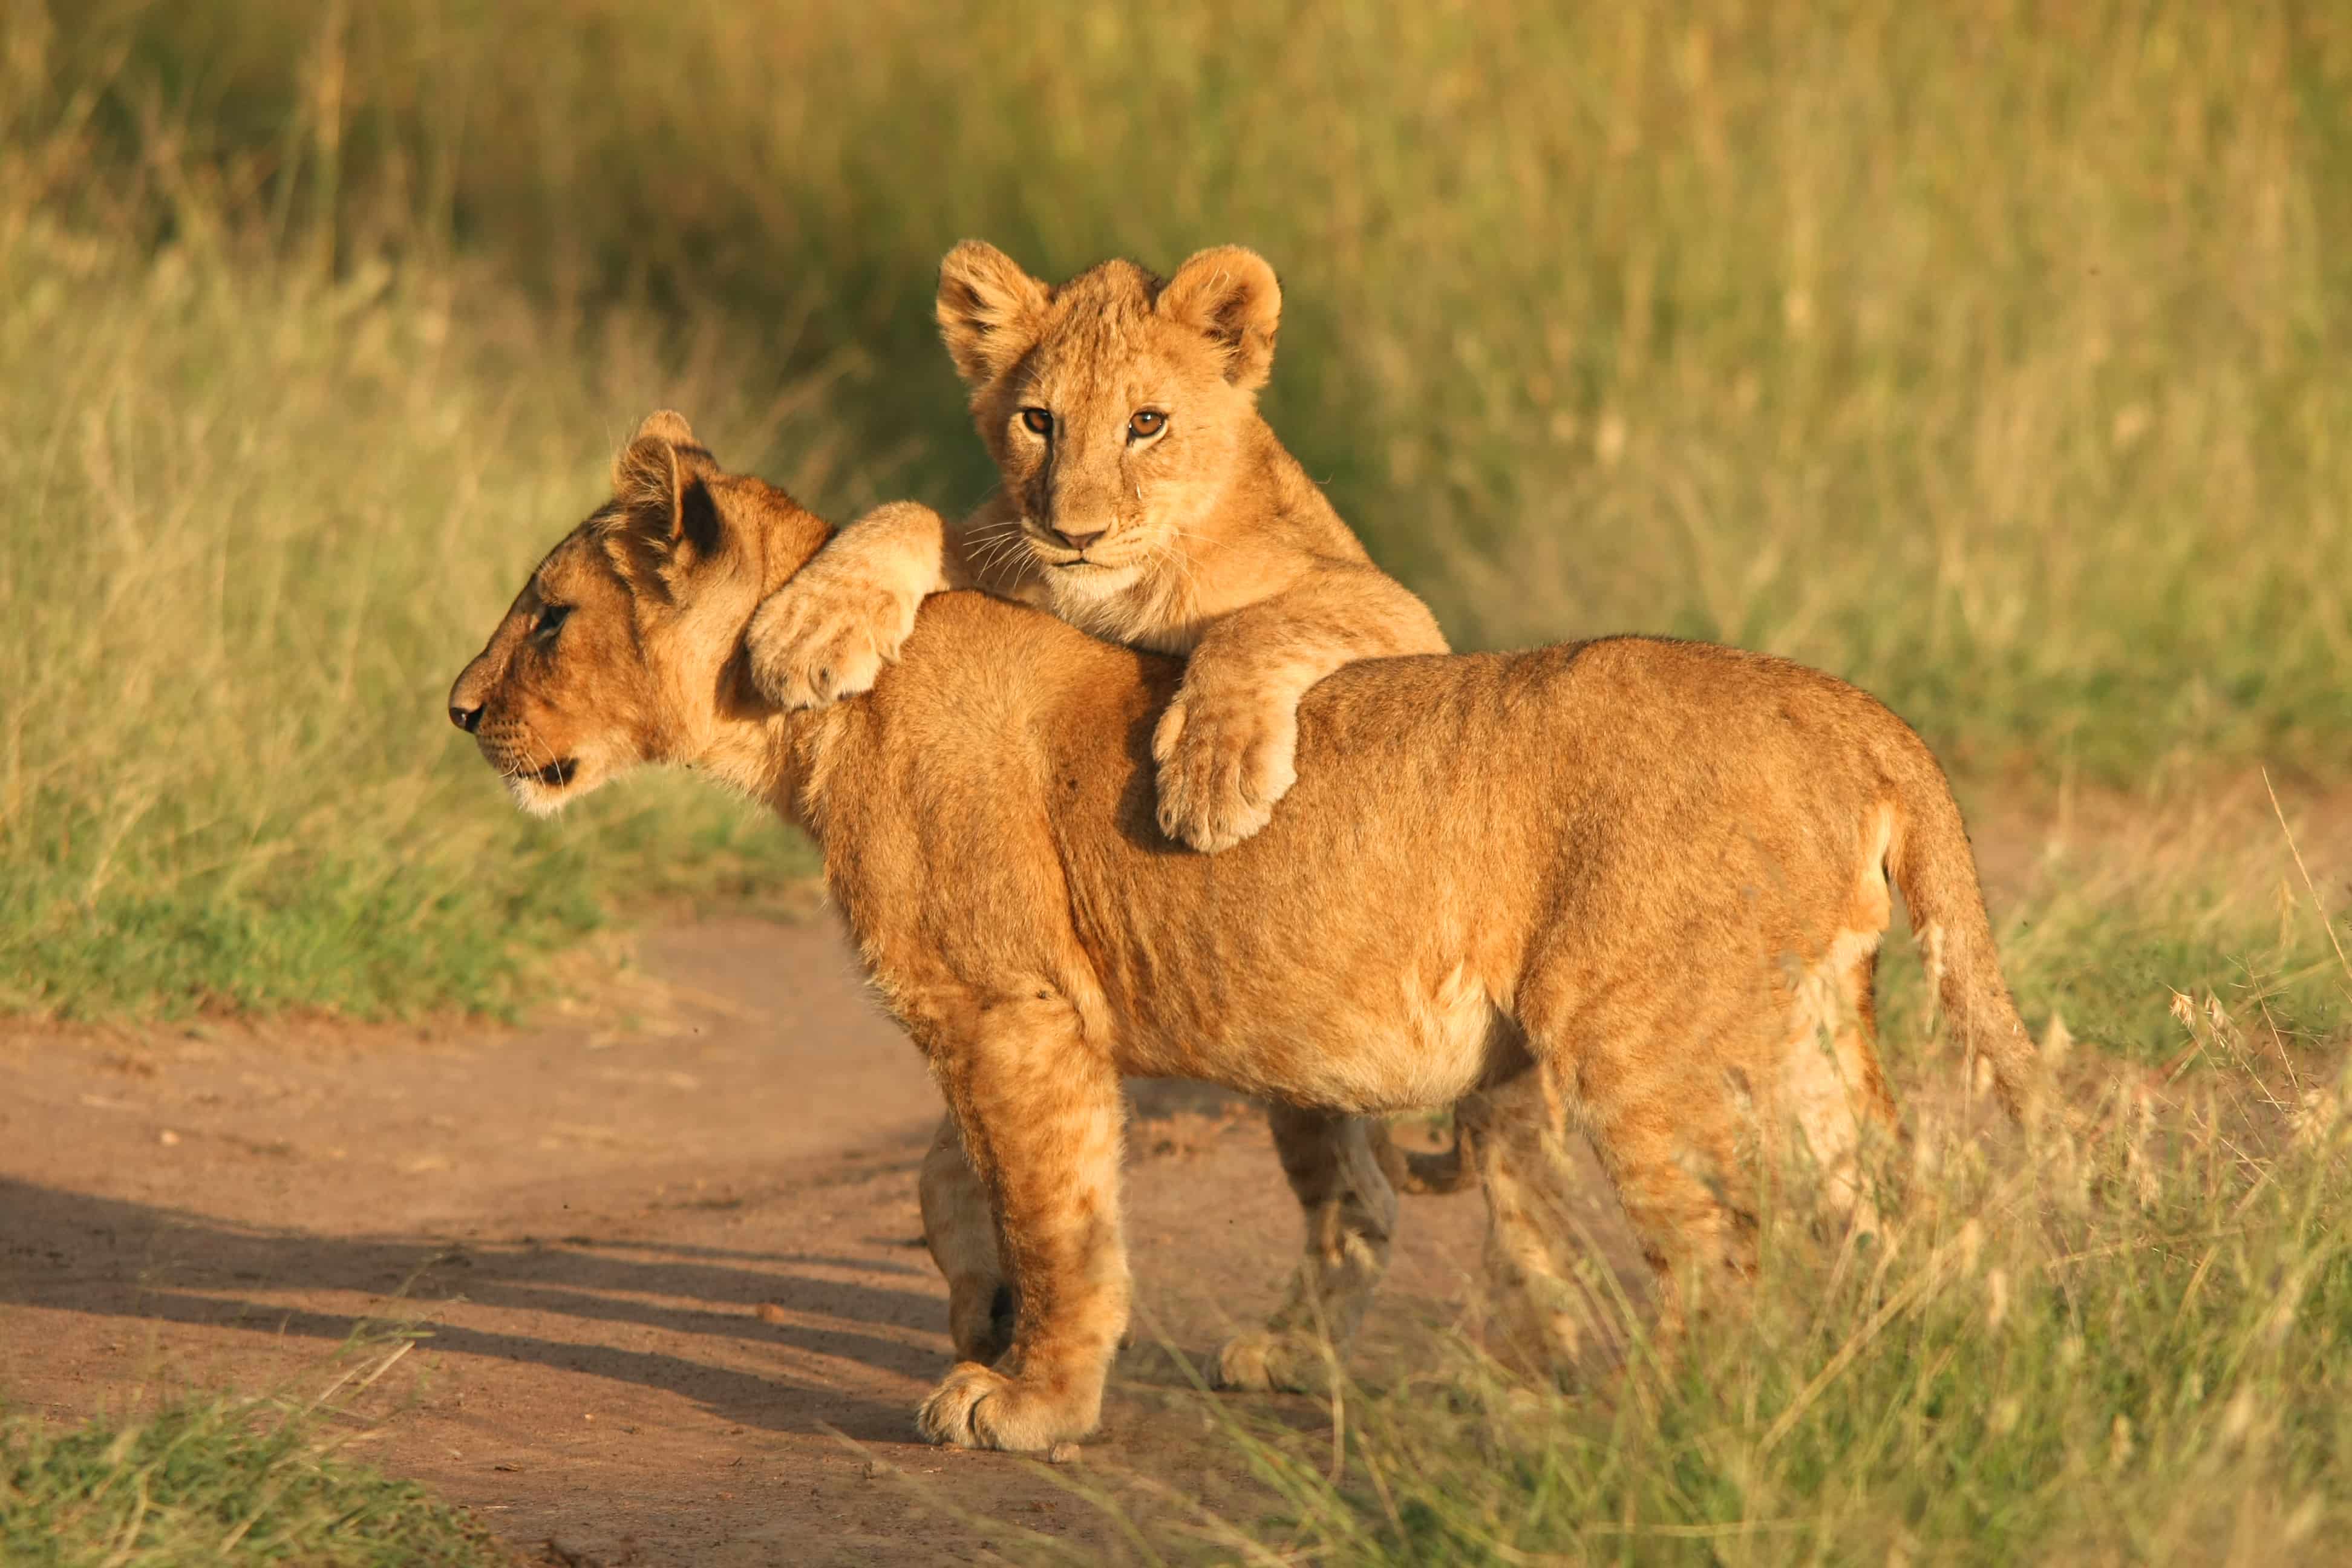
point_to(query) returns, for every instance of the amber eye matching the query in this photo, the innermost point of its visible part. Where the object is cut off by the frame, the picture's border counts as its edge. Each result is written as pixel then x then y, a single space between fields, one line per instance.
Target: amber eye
pixel 1037 419
pixel 1147 423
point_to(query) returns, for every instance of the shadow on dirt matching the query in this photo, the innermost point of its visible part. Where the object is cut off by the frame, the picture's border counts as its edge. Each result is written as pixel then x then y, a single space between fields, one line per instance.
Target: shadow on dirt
pixel 72 1252
pixel 571 1302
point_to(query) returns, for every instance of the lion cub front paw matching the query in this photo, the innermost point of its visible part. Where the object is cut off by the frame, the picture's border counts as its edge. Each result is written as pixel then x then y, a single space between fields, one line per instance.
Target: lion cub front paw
pixel 822 637
pixel 979 1407
pixel 1223 763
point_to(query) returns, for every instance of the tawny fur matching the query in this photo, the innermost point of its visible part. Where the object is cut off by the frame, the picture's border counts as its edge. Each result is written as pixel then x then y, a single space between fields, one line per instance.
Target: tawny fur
pixel 1199 536
pixel 1652 872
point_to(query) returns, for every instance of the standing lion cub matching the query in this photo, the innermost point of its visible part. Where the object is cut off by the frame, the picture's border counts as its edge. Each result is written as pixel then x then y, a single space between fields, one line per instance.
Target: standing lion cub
pixel 1651 877
pixel 1143 500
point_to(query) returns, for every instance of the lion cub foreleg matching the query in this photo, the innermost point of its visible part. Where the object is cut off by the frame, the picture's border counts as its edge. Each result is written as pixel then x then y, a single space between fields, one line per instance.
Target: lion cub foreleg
pixel 1040 1113
pixel 1226 744
pixel 826 634
pixel 1350 1211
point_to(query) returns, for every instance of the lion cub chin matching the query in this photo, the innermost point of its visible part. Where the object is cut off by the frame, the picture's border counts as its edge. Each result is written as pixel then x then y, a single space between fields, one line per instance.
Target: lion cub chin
pixel 1143 500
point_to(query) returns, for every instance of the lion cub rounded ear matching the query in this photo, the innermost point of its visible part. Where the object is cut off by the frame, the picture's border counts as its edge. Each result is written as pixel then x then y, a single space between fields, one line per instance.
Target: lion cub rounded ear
pixel 658 476
pixel 670 425
pixel 989 310
pixel 1230 295
pixel 657 457
pixel 664 444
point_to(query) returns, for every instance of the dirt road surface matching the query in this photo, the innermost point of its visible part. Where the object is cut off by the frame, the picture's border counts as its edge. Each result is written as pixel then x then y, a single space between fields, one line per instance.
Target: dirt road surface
pixel 665 1251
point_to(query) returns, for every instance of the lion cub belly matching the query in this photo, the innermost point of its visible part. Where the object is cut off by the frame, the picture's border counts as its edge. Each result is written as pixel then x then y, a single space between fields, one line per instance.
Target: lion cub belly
pixel 1424 1044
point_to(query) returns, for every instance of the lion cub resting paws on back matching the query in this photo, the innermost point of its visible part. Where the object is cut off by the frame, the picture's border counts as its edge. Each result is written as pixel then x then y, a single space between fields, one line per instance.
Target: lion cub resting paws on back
pixel 1144 501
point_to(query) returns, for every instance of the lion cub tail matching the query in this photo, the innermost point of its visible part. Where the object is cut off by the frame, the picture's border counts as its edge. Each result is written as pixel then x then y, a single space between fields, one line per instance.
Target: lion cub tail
pixel 1928 857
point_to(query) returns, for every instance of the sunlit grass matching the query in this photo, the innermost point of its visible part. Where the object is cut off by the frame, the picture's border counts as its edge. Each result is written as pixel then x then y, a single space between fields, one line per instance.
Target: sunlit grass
pixel 2122 1342
pixel 2154 903
pixel 223 1479
pixel 1989 360
pixel 1986 356
pixel 255 523
pixel 2132 1351
pixel 1990 357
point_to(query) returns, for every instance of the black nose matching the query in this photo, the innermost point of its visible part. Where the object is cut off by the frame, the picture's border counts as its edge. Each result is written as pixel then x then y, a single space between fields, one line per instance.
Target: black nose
pixel 1079 541
pixel 467 719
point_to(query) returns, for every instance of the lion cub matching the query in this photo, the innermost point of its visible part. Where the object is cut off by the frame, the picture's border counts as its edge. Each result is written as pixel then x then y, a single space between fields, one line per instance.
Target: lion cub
pixel 1143 500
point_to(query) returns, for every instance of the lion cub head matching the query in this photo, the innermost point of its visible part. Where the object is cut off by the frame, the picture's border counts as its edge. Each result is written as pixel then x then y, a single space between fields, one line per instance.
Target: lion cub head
pixel 622 647
pixel 1118 408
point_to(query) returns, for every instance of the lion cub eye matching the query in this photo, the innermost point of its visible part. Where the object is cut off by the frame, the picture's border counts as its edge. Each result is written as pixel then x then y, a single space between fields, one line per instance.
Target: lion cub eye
pixel 550 620
pixel 1039 420
pixel 1147 423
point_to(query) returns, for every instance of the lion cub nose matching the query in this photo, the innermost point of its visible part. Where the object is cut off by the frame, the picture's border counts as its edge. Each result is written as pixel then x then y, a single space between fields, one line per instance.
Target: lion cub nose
pixel 467 719
pixel 1078 538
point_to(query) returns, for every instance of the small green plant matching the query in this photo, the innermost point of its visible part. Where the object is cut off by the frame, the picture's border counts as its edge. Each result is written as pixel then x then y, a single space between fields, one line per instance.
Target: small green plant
pixel 215 1480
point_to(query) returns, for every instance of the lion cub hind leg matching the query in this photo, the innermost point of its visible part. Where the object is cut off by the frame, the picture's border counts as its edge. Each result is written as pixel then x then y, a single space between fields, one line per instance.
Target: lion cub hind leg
pixel 1350 1212
pixel 1040 1114
pixel 961 1232
pixel 1832 1101
pixel 1677 1143
pixel 1547 1314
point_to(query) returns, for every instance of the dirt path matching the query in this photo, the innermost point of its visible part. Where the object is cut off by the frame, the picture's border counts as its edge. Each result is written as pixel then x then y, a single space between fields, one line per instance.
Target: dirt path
pixel 667 1250
pixel 662 1265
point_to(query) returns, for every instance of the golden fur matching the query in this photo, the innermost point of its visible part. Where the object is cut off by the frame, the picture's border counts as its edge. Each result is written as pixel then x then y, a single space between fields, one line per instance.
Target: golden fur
pixel 1655 872
pixel 1202 538
pixel 1198 536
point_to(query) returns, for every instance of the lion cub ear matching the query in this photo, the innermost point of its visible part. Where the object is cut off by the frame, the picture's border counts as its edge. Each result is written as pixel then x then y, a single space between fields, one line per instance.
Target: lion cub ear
pixel 1230 295
pixel 989 310
pixel 658 476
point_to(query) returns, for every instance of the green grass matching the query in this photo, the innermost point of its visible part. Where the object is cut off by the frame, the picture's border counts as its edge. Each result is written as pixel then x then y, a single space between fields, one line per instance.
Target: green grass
pixel 2132 1354
pixel 255 523
pixel 1990 357
pixel 222 1481
pixel 1993 363
pixel 2197 903
pixel 2131 1344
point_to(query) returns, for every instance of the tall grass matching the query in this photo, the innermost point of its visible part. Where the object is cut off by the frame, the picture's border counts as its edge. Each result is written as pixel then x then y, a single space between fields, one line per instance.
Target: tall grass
pixel 1986 353
pixel 2132 1352
pixel 2122 1342
pixel 2199 903
pixel 1989 355
pixel 256 519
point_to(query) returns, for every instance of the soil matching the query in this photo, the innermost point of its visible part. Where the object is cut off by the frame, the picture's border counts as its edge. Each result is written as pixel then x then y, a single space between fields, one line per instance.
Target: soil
pixel 664 1256
pixel 662 1253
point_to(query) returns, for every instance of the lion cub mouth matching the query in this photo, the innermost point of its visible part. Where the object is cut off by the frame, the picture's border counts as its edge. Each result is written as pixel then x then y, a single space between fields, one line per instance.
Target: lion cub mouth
pixel 555 775
pixel 1085 574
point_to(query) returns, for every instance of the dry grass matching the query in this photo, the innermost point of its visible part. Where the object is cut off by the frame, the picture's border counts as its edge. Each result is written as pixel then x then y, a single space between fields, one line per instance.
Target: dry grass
pixel 1989 357
pixel 1986 354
